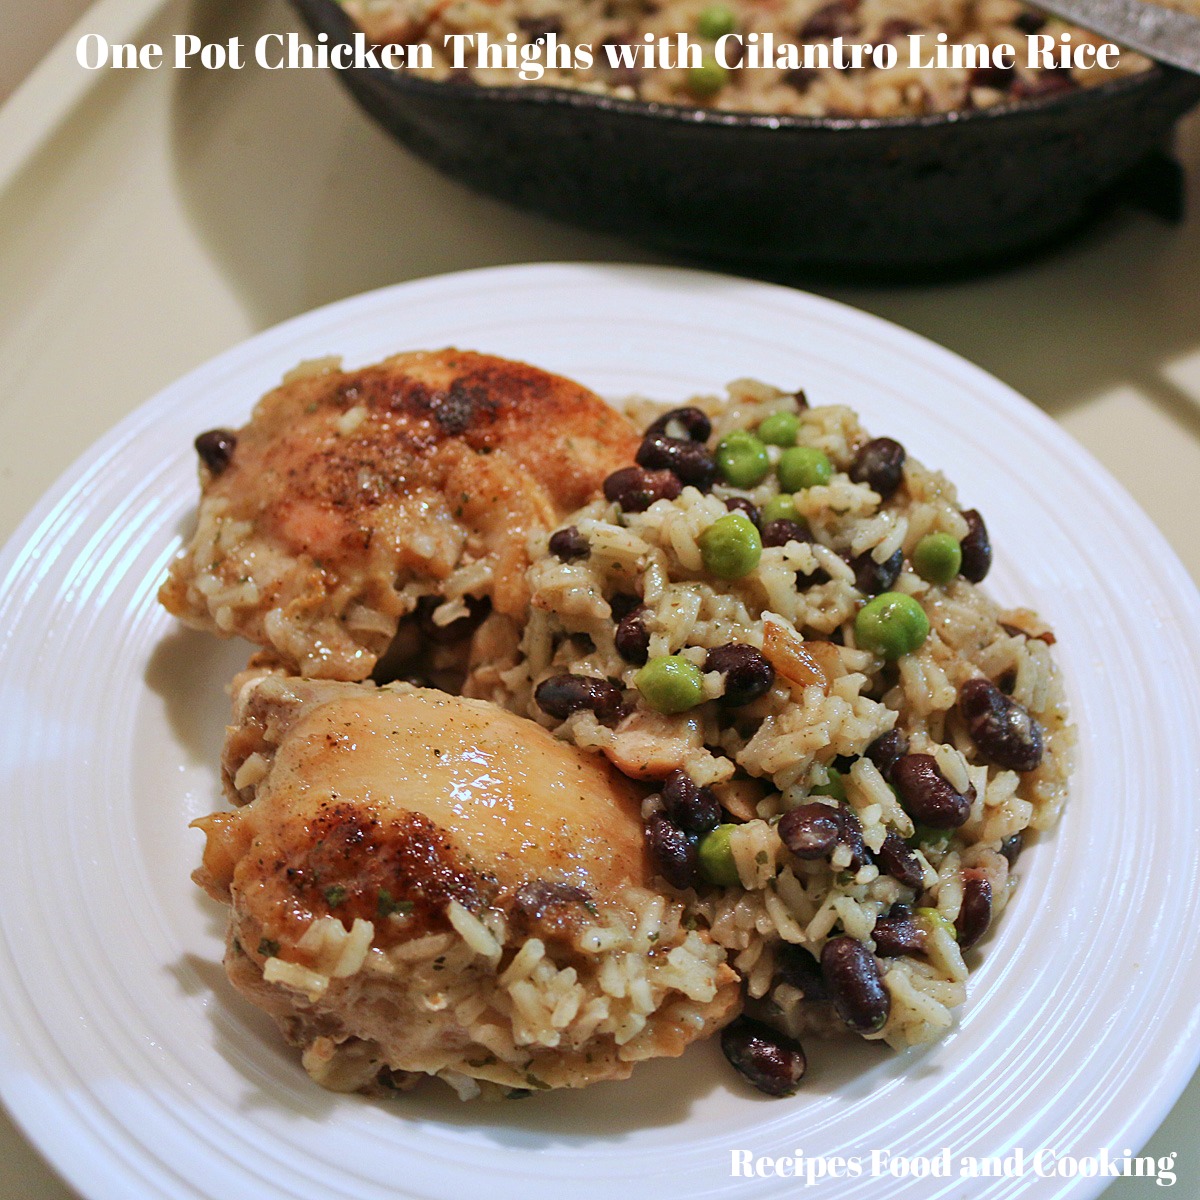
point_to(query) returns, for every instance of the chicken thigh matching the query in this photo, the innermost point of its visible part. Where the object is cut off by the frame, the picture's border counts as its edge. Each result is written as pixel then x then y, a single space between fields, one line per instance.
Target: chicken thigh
pixel 423 884
pixel 351 496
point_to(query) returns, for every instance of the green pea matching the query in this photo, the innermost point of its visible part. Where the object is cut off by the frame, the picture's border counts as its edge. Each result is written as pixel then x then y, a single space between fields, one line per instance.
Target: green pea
pixel 670 684
pixel 935 920
pixel 937 557
pixel 834 786
pixel 803 467
pixel 716 857
pixel 779 429
pixel 780 508
pixel 742 459
pixel 731 546
pixel 715 21
pixel 707 79
pixel 891 625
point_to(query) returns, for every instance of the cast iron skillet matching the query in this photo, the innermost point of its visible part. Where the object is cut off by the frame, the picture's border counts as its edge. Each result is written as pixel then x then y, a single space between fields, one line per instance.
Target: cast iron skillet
pixel 899 197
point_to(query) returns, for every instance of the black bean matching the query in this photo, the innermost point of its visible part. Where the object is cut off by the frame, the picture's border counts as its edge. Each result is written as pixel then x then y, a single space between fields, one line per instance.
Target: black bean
pixel 895 29
pixel 855 984
pixel 742 505
pixel 975 914
pixel 748 675
pixel 690 461
pixel 569 544
pixel 635 488
pixel 692 807
pixel 766 1059
pixel 783 530
pixel 850 834
pixel 622 605
pixel 976 548
pixel 689 423
pixel 632 638
pixel 1012 846
pixel 897 934
pixel 1030 22
pixel 887 750
pixel 805 581
pixel 996 77
pixel 457 630
pixel 561 695
pixel 673 852
pixel 801 78
pixel 216 449
pixel 810 831
pixel 880 465
pixel 871 577
pixel 897 860
pixel 796 967
pixel 835 19
pixel 1004 732
pixel 927 795
pixel 537 29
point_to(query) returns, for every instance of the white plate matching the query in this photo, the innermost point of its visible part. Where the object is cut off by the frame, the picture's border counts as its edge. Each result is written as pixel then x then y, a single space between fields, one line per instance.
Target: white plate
pixel 136 1070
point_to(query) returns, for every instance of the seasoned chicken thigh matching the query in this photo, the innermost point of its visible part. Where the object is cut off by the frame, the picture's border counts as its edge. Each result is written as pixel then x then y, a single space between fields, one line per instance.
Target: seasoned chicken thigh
pixel 423 884
pixel 351 495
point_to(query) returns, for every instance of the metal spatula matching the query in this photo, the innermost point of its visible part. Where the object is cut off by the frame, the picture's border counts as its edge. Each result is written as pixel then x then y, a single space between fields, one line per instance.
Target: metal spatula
pixel 1161 33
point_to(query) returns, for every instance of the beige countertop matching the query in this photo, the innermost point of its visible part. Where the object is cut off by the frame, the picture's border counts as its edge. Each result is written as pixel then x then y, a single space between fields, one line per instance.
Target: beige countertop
pixel 40 26
pixel 166 216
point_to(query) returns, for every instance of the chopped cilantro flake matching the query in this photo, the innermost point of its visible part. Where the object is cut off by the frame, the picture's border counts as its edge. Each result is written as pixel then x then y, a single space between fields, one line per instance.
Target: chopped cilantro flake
pixel 386 906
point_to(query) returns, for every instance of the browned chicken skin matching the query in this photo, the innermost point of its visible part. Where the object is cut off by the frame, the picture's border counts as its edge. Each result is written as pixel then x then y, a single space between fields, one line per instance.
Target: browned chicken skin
pixel 350 495
pixel 425 884
pixel 428 796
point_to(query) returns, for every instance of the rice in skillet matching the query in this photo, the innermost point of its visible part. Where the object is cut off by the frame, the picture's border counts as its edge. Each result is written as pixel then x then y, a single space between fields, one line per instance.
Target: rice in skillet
pixel 777 619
